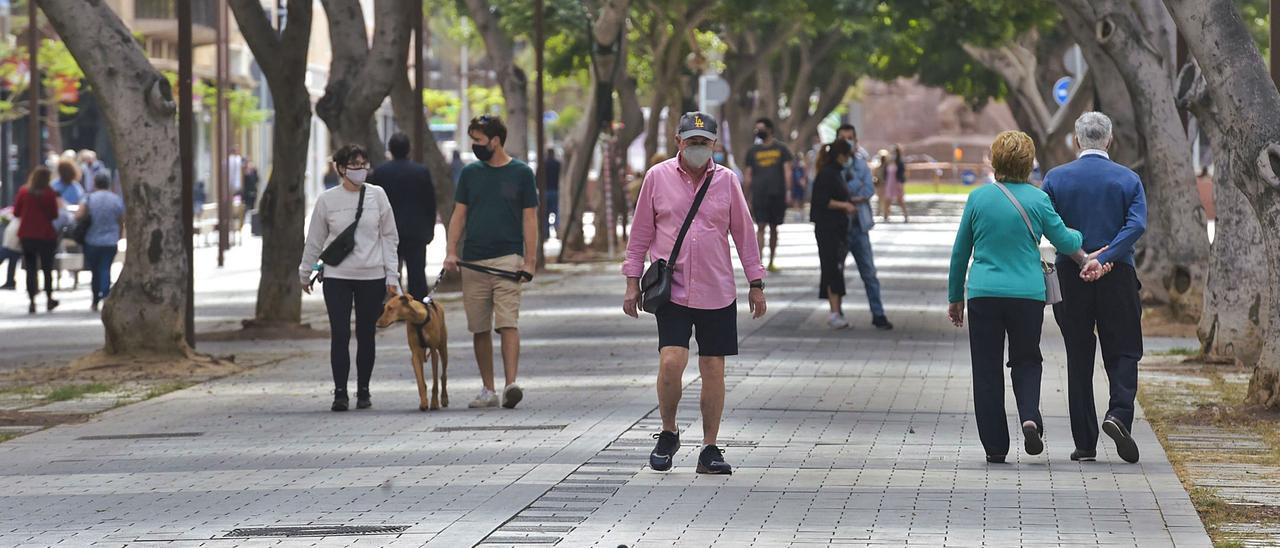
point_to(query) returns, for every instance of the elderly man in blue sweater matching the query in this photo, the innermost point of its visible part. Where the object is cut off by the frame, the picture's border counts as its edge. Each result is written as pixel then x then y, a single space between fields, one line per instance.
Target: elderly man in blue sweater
pixel 1106 203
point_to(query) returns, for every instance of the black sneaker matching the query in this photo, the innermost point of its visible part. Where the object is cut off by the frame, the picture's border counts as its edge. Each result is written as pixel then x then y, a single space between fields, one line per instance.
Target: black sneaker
pixel 52 304
pixel 711 461
pixel 1080 455
pixel 662 455
pixel 362 399
pixel 995 459
pixel 340 401
pixel 9 286
pixel 1033 438
pixel 881 323
pixel 1125 446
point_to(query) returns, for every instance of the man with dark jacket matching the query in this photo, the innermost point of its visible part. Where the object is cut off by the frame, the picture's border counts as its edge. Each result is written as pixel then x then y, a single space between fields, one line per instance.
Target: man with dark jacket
pixel 413 200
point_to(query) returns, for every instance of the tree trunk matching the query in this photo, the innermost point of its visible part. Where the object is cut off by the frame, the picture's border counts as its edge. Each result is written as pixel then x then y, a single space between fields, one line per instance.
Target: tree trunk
pixel 402 103
pixel 1172 258
pixel 360 76
pixel 283 60
pixel 1248 117
pixel 500 49
pixel 146 311
pixel 608 66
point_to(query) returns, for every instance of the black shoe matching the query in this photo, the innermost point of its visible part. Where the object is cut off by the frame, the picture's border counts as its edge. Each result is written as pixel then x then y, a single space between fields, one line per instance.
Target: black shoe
pixel 32 309
pixel 340 401
pixel 1080 455
pixel 9 286
pixel 94 307
pixel 881 323
pixel 52 304
pixel 1125 446
pixel 662 455
pixel 711 461
pixel 1033 439
pixel 362 399
pixel 995 459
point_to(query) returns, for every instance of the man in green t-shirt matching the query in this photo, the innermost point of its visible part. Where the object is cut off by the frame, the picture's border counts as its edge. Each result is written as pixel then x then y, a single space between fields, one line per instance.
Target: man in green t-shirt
pixel 496 218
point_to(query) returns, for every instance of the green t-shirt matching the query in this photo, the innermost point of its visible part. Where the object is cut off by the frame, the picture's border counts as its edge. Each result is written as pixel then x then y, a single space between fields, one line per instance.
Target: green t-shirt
pixel 496 198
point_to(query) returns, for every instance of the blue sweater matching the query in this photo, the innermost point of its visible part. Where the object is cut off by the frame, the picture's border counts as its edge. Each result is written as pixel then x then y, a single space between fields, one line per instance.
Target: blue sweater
pixel 1104 201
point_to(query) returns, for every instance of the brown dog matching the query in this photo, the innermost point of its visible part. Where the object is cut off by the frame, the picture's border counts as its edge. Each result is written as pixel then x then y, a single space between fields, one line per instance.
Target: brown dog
pixel 426 329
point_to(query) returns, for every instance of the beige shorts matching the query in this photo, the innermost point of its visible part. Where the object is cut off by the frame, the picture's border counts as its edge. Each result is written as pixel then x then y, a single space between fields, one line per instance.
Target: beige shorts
pixel 492 302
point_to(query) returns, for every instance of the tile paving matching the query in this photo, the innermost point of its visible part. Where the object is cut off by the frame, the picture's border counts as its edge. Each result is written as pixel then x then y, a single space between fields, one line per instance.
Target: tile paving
pixel 848 438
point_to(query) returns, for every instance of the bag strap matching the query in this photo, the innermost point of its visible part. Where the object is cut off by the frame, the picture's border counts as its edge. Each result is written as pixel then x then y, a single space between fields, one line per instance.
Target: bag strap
pixel 688 219
pixel 360 204
pixel 1021 211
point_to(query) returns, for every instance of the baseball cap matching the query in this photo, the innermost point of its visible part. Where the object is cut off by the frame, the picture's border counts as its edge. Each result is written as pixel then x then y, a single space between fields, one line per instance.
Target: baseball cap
pixel 697 124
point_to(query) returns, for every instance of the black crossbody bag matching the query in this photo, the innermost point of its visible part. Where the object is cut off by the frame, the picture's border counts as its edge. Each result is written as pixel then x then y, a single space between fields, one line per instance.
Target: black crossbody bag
pixel 655 285
pixel 345 243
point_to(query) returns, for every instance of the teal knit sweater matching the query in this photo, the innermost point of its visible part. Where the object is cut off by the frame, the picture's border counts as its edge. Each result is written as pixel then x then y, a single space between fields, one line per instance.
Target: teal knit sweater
pixel 1006 261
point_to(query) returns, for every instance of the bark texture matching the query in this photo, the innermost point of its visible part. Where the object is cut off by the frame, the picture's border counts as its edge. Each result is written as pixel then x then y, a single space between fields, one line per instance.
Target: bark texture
pixel 669 39
pixel 1172 257
pixel 283 59
pixel 1247 116
pixel 1236 297
pixel 360 75
pixel 146 311
pixel 500 49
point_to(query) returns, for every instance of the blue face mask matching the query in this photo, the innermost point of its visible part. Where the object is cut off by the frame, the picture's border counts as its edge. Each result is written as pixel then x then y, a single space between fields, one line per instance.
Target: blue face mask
pixel 718 157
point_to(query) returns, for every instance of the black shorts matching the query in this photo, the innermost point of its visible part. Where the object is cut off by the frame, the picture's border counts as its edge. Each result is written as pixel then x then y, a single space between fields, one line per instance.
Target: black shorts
pixel 769 210
pixel 716 330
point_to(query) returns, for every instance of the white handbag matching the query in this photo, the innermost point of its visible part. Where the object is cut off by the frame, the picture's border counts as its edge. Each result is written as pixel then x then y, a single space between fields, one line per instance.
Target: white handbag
pixel 1052 287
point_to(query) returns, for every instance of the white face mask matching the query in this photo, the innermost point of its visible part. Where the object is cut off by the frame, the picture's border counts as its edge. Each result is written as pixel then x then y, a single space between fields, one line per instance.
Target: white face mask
pixel 696 156
pixel 357 176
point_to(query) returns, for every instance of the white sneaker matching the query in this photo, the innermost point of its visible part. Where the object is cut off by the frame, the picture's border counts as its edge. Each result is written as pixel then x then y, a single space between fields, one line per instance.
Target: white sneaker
pixel 837 321
pixel 487 398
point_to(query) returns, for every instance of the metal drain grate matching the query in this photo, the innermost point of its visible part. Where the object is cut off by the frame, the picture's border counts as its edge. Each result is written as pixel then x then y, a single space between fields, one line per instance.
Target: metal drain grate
pixel 316 531
pixel 499 428
pixel 143 436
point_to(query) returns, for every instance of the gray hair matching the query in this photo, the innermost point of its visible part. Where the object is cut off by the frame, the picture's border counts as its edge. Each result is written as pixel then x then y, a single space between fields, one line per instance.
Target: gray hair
pixel 1093 130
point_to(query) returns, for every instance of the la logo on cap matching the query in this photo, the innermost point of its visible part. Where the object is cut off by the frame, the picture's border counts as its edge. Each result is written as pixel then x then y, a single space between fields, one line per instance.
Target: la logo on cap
pixel 697 122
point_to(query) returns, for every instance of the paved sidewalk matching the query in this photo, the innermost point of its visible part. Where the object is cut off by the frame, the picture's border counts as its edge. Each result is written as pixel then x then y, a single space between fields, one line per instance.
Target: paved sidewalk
pixel 847 438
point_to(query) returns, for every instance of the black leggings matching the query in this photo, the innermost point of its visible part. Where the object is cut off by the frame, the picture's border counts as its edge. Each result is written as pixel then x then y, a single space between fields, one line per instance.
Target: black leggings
pixel 832 250
pixel 42 251
pixel 339 297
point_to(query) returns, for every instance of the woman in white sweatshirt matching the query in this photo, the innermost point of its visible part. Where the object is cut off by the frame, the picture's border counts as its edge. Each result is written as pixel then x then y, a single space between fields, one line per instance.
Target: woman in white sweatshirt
pixel 359 279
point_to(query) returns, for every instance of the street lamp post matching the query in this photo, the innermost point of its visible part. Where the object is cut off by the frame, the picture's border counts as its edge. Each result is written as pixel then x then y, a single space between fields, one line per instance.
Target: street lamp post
pixel 419 84
pixel 539 109
pixel 186 154
pixel 221 136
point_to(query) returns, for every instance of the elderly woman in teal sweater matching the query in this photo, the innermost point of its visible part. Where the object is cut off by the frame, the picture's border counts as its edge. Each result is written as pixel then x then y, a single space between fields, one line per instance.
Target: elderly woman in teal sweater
pixel 1006 291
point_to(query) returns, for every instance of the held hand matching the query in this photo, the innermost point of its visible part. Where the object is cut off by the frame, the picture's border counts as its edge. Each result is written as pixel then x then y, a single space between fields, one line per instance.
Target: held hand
pixel 392 290
pixel 530 266
pixel 631 297
pixel 755 298
pixel 306 288
pixel 1093 270
pixel 451 263
pixel 1094 255
pixel 955 312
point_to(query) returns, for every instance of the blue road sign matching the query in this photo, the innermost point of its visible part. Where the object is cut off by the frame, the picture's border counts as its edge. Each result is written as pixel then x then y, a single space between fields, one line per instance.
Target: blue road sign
pixel 968 177
pixel 1062 90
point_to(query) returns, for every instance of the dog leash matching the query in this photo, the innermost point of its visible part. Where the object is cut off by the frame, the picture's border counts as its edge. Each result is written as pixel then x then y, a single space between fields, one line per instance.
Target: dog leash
pixel 517 276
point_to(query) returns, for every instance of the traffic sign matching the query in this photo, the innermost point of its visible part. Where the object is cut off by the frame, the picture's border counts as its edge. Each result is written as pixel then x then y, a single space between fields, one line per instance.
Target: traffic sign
pixel 1062 90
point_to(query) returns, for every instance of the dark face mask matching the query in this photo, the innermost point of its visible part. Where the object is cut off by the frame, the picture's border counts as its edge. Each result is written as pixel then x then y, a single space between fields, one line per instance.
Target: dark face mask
pixel 482 152
pixel 762 135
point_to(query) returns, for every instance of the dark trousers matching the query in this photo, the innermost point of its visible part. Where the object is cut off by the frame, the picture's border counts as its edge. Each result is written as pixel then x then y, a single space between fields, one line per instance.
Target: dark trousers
pixel 413 254
pixel 1112 307
pixel 39 252
pixel 12 258
pixel 990 319
pixel 98 259
pixel 831 254
pixel 339 298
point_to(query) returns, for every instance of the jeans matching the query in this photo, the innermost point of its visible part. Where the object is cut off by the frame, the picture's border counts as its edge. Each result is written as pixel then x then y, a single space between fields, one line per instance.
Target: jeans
pixel 990 318
pixel 339 297
pixel 12 256
pixel 1111 306
pixel 39 252
pixel 98 259
pixel 860 247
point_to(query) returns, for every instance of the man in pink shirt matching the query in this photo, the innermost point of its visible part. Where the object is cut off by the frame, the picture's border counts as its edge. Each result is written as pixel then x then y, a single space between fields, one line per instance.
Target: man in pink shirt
pixel 703 291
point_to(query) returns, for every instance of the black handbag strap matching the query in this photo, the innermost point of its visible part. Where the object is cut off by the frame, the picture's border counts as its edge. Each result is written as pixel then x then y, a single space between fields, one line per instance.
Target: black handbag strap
pixel 688 219
pixel 360 205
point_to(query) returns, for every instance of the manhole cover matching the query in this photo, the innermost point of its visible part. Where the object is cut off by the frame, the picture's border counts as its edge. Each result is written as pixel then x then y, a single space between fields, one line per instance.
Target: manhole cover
pixel 143 436
pixel 498 427
pixel 316 531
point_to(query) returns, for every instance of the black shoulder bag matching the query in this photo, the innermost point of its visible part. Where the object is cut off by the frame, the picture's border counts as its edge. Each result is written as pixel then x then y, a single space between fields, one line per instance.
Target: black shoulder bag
pixel 345 243
pixel 655 285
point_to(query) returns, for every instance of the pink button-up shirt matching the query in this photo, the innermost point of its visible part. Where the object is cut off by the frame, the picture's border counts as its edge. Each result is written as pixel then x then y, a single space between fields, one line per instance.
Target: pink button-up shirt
pixel 703 276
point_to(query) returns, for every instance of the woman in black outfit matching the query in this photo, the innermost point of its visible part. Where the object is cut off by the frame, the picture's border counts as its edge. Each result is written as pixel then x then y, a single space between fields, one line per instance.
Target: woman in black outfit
pixel 829 212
